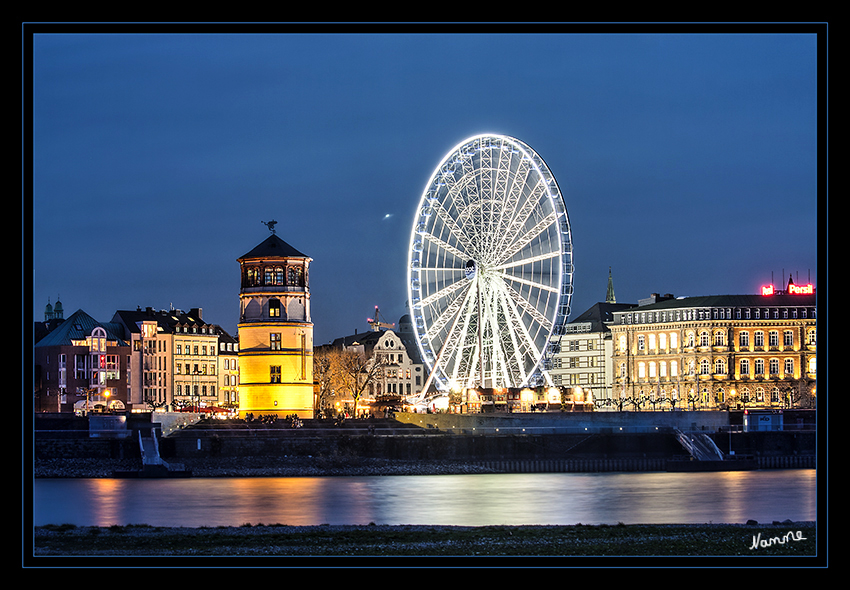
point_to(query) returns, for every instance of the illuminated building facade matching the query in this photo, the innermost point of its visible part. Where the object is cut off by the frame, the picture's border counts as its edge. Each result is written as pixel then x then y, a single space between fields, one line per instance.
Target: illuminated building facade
pixel 275 331
pixel 581 367
pixel 717 352
pixel 81 366
pixel 176 359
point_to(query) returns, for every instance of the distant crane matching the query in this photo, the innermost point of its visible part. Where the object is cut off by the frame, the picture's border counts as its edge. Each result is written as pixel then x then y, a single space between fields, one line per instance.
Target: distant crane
pixel 377 324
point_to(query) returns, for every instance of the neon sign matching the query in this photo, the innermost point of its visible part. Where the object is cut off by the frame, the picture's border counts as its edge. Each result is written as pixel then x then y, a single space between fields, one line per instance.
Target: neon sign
pixel 801 289
pixel 793 289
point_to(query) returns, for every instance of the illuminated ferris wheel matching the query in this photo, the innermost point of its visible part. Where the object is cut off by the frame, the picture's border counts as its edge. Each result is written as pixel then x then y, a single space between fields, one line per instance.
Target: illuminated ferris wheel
pixel 490 266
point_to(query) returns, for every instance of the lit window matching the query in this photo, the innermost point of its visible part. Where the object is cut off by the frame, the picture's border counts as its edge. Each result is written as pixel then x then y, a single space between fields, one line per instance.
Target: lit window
pixel 275 374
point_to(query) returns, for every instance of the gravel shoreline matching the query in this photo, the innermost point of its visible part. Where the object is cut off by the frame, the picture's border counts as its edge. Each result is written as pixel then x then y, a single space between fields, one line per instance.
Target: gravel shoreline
pixel 257 467
pixel 427 540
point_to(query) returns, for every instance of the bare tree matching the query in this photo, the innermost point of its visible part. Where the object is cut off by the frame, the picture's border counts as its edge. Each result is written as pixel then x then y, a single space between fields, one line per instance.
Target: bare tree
pixel 357 373
pixel 325 363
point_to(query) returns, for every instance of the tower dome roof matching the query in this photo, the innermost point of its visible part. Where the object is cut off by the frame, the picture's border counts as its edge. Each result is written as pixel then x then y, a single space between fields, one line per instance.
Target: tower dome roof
pixel 273 247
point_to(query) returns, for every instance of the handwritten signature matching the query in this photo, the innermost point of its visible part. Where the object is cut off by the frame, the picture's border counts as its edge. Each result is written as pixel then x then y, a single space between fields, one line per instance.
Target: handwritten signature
pixel 759 543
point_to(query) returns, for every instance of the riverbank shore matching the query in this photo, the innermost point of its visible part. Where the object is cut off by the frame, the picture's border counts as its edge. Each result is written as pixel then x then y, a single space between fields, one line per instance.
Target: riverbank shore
pixel 751 540
pixel 258 467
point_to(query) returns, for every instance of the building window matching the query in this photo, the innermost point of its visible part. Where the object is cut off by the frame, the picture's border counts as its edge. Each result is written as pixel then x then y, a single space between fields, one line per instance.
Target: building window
pixel 274 374
pixel 744 340
pixel 789 366
pixel 774 338
pixel 274 343
pixel 745 367
pixel 758 338
pixel 719 367
pixel 703 339
pixel 704 367
pixel 274 308
pixel 759 366
pixel 788 338
pixel 774 366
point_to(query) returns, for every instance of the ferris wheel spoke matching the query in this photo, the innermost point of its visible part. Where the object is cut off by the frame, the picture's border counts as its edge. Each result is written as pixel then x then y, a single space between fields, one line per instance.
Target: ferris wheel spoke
pixel 514 226
pixel 510 250
pixel 524 261
pixel 534 284
pixel 452 226
pixel 440 243
pixel 523 305
pixel 511 354
pixel 461 342
pixel 524 341
pixel 449 311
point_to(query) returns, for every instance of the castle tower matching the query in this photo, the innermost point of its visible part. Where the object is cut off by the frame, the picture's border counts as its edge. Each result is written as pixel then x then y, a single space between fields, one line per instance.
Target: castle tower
pixel 275 331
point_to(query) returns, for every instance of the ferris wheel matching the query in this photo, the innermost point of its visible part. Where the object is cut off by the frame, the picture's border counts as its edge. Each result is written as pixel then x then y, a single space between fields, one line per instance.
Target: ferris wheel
pixel 490 266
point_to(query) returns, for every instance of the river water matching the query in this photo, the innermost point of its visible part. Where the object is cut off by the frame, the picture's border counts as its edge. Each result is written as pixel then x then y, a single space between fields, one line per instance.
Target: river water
pixel 467 500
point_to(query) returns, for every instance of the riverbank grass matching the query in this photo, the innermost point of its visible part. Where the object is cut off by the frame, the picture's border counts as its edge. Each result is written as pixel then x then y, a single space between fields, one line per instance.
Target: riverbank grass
pixel 745 540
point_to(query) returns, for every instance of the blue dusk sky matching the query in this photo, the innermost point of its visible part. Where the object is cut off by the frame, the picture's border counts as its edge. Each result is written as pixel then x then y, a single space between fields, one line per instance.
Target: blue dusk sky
pixel 688 159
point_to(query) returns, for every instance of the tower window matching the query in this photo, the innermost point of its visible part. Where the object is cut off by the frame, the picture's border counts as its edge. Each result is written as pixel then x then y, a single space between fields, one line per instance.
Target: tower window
pixel 274 308
pixel 274 343
pixel 274 374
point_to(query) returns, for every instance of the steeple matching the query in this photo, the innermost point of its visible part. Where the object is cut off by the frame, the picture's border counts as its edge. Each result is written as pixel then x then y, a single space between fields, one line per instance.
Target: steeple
pixel 609 296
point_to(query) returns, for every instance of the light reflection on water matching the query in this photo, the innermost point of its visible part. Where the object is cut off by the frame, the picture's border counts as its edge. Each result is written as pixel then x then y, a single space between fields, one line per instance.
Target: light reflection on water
pixel 471 500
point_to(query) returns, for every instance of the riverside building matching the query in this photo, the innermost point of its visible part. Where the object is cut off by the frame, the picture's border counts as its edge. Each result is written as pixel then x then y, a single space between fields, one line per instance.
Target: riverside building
pixel 176 360
pixel 275 331
pixel 82 366
pixel 717 351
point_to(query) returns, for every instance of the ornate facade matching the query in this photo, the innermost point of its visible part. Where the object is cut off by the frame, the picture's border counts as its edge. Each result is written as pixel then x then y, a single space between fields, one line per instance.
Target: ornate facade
pixel 717 352
pixel 275 332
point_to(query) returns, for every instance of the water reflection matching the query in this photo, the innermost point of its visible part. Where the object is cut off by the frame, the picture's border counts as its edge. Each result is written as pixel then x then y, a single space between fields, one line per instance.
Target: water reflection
pixel 474 500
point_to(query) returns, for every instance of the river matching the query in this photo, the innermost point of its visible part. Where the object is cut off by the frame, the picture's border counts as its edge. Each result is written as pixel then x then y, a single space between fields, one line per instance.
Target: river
pixel 465 500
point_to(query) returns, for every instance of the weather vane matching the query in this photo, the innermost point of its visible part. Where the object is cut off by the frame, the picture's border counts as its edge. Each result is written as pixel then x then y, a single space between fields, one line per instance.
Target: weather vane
pixel 270 224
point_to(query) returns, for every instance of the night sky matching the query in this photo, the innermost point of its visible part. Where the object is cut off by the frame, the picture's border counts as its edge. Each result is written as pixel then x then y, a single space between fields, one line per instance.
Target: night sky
pixel 688 161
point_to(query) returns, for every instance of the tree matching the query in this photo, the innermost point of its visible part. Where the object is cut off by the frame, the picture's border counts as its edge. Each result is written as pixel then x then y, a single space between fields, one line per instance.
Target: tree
pixel 325 367
pixel 345 371
pixel 356 373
